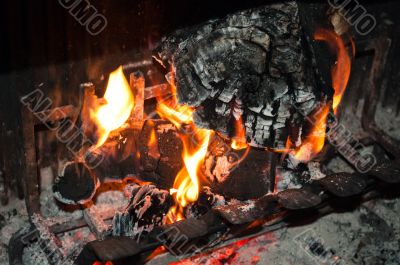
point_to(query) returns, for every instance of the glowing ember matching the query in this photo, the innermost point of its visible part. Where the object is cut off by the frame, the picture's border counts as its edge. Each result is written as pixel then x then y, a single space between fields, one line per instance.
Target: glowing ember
pixel 117 108
pixel 341 70
pixel 239 140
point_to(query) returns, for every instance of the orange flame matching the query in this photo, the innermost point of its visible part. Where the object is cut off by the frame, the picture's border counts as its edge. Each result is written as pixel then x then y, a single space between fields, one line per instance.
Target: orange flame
pixel 340 76
pixel 186 186
pixel 239 140
pixel 117 108
pixel 341 70
pixel 315 141
pixel 153 138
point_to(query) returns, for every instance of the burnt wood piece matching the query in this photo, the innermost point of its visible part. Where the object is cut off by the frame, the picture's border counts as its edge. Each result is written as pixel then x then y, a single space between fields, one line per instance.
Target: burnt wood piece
pixel 76 184
pixel 160 150
pixel 146 210
pixel 255 63
pixel 248 211
pixel 113 248
pixel 240 174
pixel 295 199
pixel 343 184
pixel 388 171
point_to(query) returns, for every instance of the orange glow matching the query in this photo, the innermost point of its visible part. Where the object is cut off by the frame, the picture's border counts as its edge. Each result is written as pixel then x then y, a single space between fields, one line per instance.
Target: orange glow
pixel 341 70
pixel 155 253
pixel 315 140
pixel 153 138
pixel 239 140
pixel 117 108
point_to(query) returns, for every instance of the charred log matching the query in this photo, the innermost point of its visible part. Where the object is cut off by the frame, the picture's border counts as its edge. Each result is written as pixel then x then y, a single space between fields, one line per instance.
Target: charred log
pixel 147 209
pixel 255 64
pixel 155 155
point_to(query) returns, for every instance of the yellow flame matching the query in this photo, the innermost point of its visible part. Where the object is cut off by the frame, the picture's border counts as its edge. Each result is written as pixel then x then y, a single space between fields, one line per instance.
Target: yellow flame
pixel 186 185
pixel 118 106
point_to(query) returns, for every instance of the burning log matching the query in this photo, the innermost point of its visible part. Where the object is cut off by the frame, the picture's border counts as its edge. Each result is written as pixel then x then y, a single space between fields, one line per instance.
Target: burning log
pixel 154 154
pixel 252 65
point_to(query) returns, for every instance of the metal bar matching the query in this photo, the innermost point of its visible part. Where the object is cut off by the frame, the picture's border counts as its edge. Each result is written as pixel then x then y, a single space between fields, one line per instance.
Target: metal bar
pixel 30 172
pixel 56 114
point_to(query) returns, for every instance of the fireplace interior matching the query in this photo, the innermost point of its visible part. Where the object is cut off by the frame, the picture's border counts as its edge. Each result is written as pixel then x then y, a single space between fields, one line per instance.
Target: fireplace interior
pixel 202 132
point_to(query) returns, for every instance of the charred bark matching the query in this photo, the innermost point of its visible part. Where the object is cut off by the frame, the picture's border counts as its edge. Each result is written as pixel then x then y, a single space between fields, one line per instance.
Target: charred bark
pixel 255 63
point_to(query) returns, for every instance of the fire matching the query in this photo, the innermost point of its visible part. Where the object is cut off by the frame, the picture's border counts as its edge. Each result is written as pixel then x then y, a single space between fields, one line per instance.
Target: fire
pixel 341 70
pixel 117 108
pixel 340 76
pixel 239 140
pixel 152 139
pixel 315 141
pixel 186 186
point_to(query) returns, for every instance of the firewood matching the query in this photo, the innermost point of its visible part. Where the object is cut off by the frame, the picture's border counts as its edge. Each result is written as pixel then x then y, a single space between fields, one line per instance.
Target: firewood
pixel 255 64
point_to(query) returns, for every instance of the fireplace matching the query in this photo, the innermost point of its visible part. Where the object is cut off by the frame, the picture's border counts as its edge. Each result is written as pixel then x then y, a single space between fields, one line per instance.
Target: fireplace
pixel 265 132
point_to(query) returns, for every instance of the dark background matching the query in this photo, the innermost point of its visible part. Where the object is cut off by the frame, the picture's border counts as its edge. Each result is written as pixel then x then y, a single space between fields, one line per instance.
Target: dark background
pixel 41 32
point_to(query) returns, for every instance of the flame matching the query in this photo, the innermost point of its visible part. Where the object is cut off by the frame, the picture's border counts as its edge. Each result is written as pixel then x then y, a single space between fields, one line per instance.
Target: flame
pixel 186 186
pixel 153 138
pixel 117 108
pixel 239 140
pixel 179 115
pixel 315 141
pixel 341 70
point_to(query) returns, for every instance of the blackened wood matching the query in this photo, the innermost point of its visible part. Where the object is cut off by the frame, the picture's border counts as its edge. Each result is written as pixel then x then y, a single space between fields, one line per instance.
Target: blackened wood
pixel 343 184
pixel 253 63
pixel 162 160
pixel 110 249
pixel 240 174
pixel 388 172
pixel 147 209
pixel 295 199
pixel 77 183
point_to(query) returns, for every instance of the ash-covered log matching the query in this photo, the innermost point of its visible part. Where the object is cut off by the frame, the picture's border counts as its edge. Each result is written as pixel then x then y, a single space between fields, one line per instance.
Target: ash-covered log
pixel 256 64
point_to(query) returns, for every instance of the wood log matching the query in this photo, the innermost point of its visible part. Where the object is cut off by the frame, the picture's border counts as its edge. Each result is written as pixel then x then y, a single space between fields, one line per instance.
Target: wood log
pixel 255 64
pixel 155 155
